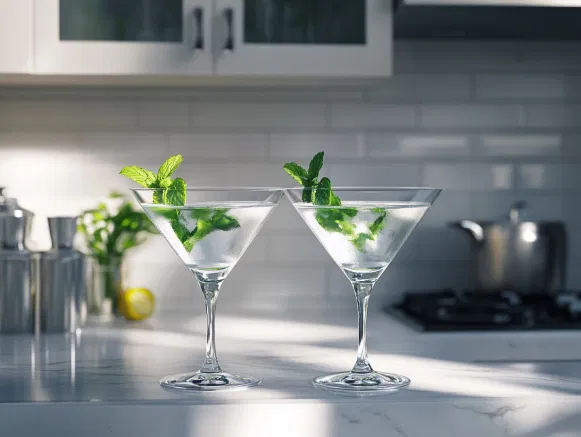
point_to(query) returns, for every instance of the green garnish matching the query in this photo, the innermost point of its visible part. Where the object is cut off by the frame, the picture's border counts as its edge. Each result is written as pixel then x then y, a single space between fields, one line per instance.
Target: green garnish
pixel 338 219
pixel 172 192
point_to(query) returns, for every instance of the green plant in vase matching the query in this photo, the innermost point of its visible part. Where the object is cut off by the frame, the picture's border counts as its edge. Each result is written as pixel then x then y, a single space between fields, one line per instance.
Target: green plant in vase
pixel 110 230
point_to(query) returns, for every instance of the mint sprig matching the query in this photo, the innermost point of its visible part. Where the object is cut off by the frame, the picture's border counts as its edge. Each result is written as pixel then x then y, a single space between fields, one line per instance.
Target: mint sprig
pixel 172 192
pixel 339 219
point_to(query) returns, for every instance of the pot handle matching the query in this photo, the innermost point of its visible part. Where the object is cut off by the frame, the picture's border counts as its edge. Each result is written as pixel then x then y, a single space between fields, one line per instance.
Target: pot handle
pixel 519 211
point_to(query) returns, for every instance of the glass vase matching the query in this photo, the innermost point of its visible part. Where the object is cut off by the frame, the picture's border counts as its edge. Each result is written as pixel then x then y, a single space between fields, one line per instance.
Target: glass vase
pixel 105 287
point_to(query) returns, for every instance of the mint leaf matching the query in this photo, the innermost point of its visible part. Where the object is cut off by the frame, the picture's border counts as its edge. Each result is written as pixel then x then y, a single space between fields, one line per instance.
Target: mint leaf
pixel 335 201
pixel 323 192
pixel 347 227
pixel 327 221
pixel 295 171
pixel 203 228
pixel 201 213
pixel 158 196
pixel 359 241
pixel 225 223
pixel 378 225
pixel 179 226
pixel 165 183
pixel 308 195
pixel 219 212
pixel 350 212
pixel 316 165
pixel 189 243
pixel 168 167
pixel 140 175
pixel 168 213
pixel 175 194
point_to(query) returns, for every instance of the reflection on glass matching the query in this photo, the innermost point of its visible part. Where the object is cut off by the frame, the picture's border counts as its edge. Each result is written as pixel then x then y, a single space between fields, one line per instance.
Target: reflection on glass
pixel 304 21
pixel 121 20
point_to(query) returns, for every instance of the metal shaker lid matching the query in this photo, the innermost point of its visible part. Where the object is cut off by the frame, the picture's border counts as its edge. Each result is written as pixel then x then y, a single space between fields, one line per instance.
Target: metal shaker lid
pixel 10 206
pixel 4 207
pixel 62 231
pixel 14 231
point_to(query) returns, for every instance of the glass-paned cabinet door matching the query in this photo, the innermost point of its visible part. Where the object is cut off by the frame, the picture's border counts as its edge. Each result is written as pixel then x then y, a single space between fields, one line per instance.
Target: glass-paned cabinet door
pixel 123 37
pixel 304 37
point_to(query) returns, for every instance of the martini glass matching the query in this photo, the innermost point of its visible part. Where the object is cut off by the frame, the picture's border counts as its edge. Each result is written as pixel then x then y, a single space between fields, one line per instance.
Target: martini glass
pixel 223 223
pixel 363 235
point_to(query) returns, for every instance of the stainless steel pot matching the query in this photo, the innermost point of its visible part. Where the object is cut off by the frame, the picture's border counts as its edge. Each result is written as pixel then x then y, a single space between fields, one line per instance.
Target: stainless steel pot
pixel 518 254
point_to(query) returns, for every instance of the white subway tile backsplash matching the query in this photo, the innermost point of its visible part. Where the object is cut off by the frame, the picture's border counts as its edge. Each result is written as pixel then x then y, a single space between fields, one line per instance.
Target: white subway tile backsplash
pixel 296 249
pixel 454 57
pixel 306 145
pixel 572 213
pixel 374 175
pixel 284 218
pixel 164 113
pixel 108 114
pixel 119 146
pixel 490 122
pixel 224 146
pixel 350 115
pixel 458 246
pixel 447 176
pixel 387 289
pixel 258 287
pixel 571 146
pixel 495 176
pixel 385 145
pixel 451 205
pixel 418 88
pixel 549 115
pixel 470 116
pixel 34 115
pixel 553 57
pixel 495 206
pixel 571 176
pixel 548 145
pixel 519 86
pixel 441 275
pixel 539 176
pixel 573 87
pixel 235 174
pixel 258 115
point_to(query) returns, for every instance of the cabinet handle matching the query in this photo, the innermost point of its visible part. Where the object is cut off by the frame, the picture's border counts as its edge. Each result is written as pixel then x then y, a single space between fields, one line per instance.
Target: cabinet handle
pixel 229 41
pixel 198 29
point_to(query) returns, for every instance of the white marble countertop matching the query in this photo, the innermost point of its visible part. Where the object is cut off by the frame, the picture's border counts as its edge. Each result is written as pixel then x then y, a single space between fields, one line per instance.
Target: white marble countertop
pixel 105 380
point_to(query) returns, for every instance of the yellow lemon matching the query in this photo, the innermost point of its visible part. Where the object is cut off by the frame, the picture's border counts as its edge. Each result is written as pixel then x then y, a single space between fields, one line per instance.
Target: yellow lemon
pixel 136 303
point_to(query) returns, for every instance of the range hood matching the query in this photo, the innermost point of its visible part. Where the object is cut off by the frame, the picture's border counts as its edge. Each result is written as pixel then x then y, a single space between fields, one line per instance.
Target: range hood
pixel 488 19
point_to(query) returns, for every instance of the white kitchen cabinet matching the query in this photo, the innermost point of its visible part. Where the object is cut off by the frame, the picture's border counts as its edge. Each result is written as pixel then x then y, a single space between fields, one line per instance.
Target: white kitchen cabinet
pixel 15 36
pixel 326 38
pixel 213 38
pixel 129 37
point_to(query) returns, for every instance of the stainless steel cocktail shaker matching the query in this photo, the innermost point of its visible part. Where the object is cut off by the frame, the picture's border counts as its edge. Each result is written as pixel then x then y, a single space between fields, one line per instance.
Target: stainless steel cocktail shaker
pixel 63 302
pixel 18 269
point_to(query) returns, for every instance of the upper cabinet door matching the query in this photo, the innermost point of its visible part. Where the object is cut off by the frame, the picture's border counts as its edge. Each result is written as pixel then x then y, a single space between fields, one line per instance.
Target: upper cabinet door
pixel 15 36
pixel 120 37
pixel 334 38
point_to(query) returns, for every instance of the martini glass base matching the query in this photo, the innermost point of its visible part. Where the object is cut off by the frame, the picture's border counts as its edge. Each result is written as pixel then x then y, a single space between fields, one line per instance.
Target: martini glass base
pixel 361 384
pixel 198 381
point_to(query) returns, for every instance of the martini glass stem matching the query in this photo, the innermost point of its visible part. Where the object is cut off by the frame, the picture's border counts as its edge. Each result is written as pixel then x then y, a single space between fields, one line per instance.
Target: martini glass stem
pixel 210 290
pixel 362 293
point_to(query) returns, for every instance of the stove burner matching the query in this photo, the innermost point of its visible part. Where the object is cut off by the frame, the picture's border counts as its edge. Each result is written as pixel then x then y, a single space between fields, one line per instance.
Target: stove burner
pixel 462 310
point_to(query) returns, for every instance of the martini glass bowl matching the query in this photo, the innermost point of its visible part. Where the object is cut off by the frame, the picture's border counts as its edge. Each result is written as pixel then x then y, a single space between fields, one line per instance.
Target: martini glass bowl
pixel 210 233
pixel 363 235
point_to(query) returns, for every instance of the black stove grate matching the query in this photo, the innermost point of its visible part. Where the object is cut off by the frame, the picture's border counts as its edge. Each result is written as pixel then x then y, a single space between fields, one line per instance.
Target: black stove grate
pixel 467 310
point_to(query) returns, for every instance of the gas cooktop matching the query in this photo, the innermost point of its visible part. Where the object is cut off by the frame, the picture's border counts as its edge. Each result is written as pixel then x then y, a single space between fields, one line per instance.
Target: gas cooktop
pixel 472 310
